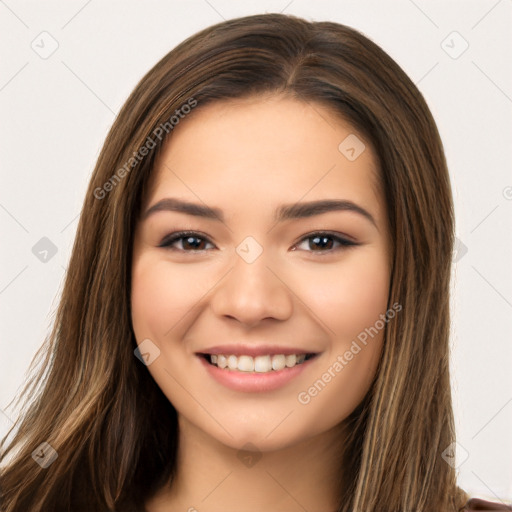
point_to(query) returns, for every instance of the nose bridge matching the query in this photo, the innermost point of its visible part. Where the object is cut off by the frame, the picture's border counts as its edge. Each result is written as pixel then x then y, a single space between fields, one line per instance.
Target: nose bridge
pixel 251 291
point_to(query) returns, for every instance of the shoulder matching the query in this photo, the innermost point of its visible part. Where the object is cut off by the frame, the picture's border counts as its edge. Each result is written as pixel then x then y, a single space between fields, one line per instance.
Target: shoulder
pixel 489 506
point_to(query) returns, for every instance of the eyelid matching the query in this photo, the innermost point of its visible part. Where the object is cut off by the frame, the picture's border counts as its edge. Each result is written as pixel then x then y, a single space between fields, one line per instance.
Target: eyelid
pixel 341 237
pixel 345 241
pixel 177 235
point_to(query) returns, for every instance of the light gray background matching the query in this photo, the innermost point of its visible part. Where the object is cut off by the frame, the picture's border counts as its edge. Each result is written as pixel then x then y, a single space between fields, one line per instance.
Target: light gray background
pixel 56 112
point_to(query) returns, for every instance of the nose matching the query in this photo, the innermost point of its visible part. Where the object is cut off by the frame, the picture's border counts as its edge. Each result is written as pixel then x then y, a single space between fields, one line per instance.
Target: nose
pixel 253 292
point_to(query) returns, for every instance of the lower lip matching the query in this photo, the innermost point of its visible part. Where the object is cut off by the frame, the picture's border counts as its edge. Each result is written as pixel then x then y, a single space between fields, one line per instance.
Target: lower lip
pixel 253 382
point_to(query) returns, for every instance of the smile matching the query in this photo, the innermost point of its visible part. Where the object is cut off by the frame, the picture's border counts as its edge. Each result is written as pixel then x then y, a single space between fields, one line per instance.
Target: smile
pixel 258 364
pixel 255 374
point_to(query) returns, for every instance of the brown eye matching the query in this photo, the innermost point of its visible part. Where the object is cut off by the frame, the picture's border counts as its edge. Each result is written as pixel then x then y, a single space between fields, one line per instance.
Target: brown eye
pixel 190 241
pixel 324 242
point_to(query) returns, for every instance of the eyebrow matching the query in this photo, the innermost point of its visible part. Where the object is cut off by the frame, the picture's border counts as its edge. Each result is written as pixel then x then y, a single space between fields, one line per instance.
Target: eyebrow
pixel 283 213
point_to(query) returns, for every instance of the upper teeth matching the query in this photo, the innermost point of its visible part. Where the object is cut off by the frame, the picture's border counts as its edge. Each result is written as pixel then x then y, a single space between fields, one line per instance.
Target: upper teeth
pixel 259 364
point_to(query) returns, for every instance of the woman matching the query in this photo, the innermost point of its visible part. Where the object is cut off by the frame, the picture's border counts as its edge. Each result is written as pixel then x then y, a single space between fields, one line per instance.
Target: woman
pixel 255 315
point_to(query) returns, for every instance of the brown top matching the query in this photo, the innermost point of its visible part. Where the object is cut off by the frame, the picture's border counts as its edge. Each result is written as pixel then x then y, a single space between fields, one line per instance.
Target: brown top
pixel 478 504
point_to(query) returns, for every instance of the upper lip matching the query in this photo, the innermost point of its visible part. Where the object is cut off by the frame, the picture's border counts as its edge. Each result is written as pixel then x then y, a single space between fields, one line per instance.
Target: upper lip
pixel 254 350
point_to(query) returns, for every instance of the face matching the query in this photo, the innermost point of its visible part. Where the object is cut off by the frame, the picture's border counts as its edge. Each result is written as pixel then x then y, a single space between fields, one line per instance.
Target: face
pixel 261 272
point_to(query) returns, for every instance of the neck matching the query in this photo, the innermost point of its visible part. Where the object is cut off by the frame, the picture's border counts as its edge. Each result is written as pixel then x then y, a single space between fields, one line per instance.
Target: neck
pixel 214 477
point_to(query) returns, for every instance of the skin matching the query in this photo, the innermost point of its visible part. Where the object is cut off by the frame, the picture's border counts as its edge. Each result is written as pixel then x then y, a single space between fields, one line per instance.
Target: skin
pixel 247 157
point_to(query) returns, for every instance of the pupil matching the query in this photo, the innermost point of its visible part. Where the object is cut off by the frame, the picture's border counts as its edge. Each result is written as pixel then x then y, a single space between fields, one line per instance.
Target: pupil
pixel 316 240
pixel 188 242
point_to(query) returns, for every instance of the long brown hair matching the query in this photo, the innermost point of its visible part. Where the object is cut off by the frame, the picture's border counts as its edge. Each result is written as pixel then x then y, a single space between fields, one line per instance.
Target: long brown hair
pixel 97 406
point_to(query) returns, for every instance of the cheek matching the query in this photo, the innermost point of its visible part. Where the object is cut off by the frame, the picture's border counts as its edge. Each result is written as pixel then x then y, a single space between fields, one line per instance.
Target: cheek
pixel 350 297
pixel 162 300
pixel 350 304
pixel 159 297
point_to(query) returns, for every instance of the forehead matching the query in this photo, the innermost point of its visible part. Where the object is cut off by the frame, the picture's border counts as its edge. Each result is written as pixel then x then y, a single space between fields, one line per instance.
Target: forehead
pixel 246 153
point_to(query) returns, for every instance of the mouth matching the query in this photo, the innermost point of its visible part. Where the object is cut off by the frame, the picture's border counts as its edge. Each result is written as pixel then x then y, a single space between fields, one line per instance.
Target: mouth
pixel 269 363
pixel 260 373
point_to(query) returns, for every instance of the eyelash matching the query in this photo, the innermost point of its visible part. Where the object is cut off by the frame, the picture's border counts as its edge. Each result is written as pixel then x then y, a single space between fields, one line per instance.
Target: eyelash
pixel 167 242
